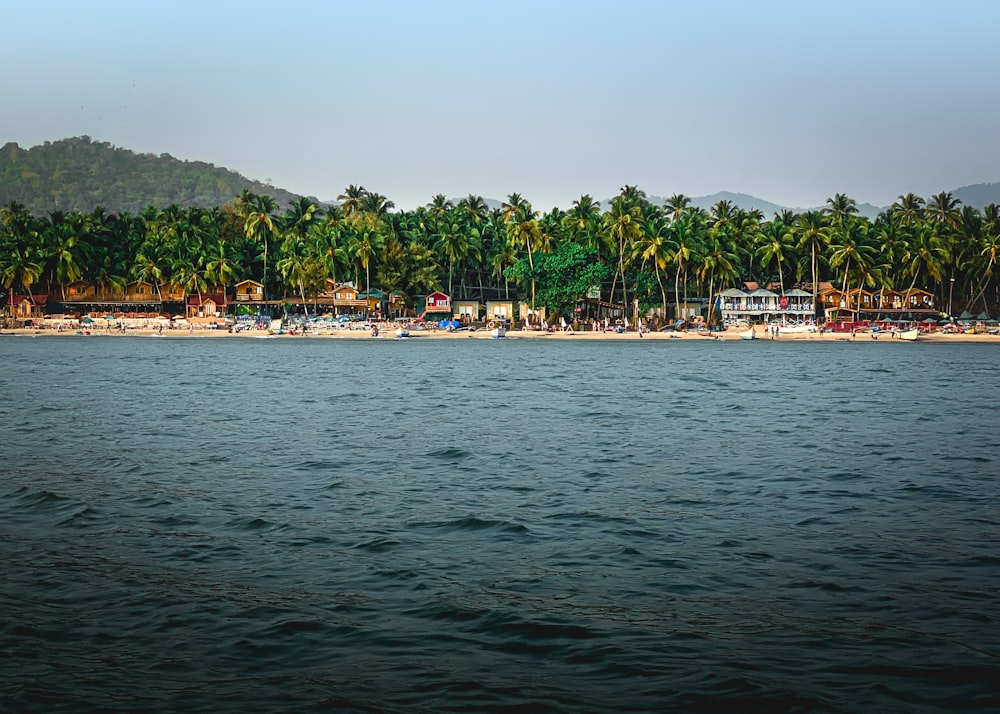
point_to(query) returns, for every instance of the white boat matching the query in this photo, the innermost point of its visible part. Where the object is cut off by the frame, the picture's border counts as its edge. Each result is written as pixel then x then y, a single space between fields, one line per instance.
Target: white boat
pixel 748 335
pixel 797 329
pixel 910 334
pixel 401 333
pixel 498 332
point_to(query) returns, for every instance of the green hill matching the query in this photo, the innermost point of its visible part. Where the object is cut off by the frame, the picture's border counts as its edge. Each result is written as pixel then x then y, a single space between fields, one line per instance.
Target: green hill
pixel 78 174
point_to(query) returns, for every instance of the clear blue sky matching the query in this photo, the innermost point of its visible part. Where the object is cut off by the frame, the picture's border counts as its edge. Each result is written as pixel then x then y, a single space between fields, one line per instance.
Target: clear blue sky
pixel 789 101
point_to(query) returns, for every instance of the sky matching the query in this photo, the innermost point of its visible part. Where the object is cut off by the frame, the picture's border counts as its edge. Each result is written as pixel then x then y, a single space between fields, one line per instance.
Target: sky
pixel 789 101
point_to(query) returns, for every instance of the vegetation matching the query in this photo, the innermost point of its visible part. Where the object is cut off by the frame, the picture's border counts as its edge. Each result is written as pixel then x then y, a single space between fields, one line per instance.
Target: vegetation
pixel 633 251
pixel 75 175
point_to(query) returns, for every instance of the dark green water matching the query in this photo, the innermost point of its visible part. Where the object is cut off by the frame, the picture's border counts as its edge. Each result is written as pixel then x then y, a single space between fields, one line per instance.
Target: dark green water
pixel 302 525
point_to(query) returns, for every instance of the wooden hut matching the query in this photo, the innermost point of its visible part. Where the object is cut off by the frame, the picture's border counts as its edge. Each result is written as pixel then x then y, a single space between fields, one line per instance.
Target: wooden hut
pixel 499 310
pixel 467 310
pixel 435 306
pixel 27 307
pixel 207 306
pixel 343 297
pixel 141 292
pixel 249 291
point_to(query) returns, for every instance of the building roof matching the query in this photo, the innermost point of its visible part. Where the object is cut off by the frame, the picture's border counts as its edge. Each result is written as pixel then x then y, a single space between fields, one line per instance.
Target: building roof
pixel 198 300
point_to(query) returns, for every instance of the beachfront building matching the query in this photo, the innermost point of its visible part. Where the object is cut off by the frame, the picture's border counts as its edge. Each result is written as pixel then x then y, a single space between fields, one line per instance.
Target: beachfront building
pixel 499 310
pixel 138 299
pixel 140 291
pixel 761 305
pixel 343 298
pixel 381 304
pixel 467 310
pixel 23 308
pixel 249 291
pixel 434 307
pixel 207 306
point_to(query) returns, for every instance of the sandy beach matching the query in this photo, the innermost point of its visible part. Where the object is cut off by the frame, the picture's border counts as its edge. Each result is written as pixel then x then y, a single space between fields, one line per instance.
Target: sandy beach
pixel 442 334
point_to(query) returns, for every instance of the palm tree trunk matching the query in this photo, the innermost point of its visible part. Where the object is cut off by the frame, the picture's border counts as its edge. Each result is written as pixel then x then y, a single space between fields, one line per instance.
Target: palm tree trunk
pixel 844 287
pixel 663 290
pixel 677 292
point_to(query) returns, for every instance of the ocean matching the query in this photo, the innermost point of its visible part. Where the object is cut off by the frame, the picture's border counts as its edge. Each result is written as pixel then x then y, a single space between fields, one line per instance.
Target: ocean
pixel 215 525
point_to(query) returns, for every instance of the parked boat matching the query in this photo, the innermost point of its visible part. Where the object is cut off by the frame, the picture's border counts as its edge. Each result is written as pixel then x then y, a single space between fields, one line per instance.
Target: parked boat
pixel 401 333
pixel 498 332
pixel 748 335
pixel 795 329
pixel 910 334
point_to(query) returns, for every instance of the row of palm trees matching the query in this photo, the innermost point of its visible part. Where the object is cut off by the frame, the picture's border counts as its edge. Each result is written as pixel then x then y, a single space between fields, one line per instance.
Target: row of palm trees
pixel 466 247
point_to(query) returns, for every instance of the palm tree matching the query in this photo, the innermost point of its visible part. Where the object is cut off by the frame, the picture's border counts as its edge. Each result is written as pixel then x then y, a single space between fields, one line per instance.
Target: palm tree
pixel 522 230
pixel 364 245
pixel 654 248
pixel 326 235
pixel 687 233
pixel 908 209
pixel 300 268
pixel 219 267
pixel 259 224
pixel 989 248
pixel 774 248
pixel 925 256
pixel 20 268
pixel 351 201
pixel 851 251
pixel 813 234
pixel 147 268
pixel 62 236
pixel 583 220
pixel 439 205
pixel 621 225
pixel 374 206
pixel 841 208
pixel 676 205
pixel 457 245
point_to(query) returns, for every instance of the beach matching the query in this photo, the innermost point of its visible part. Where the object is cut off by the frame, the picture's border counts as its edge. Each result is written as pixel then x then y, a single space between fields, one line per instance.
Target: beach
pixel 388 332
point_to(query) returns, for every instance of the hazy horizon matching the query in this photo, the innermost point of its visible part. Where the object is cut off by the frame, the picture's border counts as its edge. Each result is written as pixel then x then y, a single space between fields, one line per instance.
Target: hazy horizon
pixel 788 102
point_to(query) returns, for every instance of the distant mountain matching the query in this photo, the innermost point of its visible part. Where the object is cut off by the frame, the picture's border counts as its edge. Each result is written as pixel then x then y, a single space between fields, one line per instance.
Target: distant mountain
pixel 978 195
pixel 740 200
pixel 79 174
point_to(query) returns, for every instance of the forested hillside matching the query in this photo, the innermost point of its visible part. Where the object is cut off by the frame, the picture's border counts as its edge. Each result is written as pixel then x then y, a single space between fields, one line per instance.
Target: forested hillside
pixel 76 175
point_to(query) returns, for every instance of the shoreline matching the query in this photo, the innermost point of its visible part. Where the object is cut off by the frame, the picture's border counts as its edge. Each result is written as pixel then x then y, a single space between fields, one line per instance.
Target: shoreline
pixel 439 334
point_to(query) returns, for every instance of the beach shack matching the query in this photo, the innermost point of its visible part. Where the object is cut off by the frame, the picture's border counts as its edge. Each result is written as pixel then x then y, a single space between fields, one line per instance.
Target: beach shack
pixel 835 307
pixel 734 306
pixel 141 292
pixel 433 307
pixel 499 310
pixel 376 302
pixel 917 299
pixel 80 291
pixel 137 299
pixel 343 297
pixel 530 316
pixel 24 308
pixel 467 310
pixel 887 300
pixel 207 306
pixel 249 291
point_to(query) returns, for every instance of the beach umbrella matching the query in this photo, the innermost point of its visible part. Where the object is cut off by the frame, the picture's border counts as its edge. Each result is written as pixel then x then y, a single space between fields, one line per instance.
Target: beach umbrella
pixel 110 317
pixel 86 319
